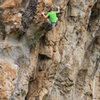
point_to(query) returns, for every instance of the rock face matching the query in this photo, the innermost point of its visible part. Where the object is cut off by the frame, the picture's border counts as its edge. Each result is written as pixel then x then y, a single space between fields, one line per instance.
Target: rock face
pixel 38 62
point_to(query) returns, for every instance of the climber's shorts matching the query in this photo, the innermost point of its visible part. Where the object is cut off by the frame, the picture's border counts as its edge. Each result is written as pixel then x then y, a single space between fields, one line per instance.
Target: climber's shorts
pixel 53 24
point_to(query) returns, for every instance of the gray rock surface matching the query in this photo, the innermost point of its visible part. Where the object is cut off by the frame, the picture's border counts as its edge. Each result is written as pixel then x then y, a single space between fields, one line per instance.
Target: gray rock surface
pixel 38 62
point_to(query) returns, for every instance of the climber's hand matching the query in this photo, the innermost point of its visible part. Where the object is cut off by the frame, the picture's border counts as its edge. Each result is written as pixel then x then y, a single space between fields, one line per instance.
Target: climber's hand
pixel 42 13
pixel 58 7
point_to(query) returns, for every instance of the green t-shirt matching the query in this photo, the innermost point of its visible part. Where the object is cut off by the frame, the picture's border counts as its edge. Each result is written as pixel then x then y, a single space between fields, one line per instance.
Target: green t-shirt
pixel 52 16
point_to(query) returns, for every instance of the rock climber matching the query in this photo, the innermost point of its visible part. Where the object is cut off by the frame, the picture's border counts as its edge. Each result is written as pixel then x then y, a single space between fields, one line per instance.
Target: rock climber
pixel 52 15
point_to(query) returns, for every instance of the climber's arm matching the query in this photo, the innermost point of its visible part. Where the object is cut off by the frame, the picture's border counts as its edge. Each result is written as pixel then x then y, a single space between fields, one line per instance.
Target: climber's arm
pixel 58 10
pixel 44 15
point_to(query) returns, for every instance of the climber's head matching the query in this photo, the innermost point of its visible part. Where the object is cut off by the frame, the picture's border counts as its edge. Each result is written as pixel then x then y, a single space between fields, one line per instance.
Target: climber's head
pixel 50 9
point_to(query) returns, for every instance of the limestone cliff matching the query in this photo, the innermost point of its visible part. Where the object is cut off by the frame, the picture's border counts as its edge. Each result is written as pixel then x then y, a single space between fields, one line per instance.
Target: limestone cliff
pixel 38 62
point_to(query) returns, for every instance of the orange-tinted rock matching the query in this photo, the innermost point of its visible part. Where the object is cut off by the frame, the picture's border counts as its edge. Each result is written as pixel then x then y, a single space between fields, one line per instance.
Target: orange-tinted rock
pixel 11 3
pixel 8 75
